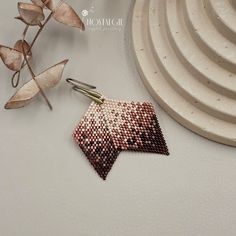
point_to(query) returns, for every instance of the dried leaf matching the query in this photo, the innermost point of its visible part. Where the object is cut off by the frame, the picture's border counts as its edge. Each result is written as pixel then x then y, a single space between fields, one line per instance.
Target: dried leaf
pixel 65 14
pixel 53 4
pixel 38 2
pixel 11 57
pixel 31 14
pixel 47 79
pixel 23 96
pixel 41 3
pixel 50 77
pixel 19 47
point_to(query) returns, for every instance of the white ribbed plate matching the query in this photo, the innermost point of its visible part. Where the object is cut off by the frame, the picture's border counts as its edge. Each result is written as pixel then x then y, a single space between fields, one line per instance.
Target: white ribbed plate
pixel 186 55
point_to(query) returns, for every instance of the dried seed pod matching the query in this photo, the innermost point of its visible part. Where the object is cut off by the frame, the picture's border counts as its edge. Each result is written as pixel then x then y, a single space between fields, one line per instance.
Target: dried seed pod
pixel 47 79
pixel 65 14
pixel 19 47
pixel 31 14
pixel 11 57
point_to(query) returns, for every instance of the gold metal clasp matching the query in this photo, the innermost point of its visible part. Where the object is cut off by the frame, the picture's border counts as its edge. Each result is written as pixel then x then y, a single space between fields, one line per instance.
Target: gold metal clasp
pixel 87 90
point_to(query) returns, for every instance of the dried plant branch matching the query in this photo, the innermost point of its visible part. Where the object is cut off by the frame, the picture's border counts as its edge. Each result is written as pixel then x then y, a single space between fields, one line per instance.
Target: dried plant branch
pixel 32 14
pixel 41 29
pixel 46 79
pixel 18 73
pixel 17 76
pixel 31 70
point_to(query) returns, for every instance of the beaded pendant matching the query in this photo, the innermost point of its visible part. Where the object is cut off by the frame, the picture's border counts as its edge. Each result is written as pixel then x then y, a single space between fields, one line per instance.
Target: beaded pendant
pixel 116 126
pixel 110 127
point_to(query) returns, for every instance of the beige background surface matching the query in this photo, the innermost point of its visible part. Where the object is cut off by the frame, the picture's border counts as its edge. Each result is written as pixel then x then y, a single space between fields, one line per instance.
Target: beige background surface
pixel 47 186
